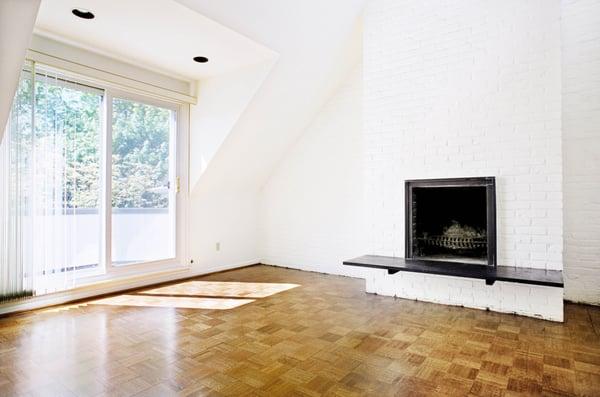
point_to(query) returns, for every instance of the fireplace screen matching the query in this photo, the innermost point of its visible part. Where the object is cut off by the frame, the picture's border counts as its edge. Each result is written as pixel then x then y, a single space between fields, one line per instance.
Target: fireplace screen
pixel 451 220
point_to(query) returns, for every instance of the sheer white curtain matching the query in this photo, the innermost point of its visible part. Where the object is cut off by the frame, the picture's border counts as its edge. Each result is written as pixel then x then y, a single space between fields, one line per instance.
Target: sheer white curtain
pixel 50 181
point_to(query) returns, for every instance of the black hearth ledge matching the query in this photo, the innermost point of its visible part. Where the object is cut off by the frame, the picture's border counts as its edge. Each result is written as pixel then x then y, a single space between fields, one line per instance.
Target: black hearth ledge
pixel 548 278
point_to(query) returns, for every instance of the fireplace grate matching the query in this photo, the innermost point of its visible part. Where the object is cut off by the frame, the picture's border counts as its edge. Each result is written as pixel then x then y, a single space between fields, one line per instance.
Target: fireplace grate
pixel 451 220
pixel 454 243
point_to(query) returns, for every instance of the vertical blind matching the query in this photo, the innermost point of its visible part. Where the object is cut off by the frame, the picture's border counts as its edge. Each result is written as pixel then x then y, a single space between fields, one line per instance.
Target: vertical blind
pixel 50 178
pixel 15 266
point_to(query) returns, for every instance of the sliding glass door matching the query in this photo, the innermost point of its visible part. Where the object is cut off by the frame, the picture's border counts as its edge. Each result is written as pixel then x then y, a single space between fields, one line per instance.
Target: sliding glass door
pixel 57 173
pixel 88 183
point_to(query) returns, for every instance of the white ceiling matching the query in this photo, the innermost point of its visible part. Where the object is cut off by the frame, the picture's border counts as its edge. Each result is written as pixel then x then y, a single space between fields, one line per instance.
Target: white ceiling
pixel 315 44
pixel 160 35
pixel 318 42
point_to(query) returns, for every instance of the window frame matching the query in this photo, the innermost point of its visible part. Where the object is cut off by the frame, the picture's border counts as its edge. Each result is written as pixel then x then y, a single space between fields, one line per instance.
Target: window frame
pixel 155 265
pixel 106 270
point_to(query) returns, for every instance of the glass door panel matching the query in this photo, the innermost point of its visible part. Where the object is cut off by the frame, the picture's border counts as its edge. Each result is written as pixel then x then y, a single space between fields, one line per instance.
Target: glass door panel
pixel 63 197
pixel 143 188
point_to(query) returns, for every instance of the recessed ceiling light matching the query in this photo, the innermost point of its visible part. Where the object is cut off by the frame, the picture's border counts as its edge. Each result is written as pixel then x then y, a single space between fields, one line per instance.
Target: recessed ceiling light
pixel 201 59
pixel 81 13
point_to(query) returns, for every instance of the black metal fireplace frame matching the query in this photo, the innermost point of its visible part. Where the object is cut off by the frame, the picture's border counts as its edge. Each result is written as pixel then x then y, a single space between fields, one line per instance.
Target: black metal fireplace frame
pixel 489 182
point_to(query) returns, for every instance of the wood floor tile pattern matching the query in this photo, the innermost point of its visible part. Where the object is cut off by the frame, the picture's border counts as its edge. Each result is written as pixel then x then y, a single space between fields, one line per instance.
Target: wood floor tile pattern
pixel 325 337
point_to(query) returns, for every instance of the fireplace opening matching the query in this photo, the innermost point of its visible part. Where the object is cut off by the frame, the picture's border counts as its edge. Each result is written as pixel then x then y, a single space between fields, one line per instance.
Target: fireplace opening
pixel 451 220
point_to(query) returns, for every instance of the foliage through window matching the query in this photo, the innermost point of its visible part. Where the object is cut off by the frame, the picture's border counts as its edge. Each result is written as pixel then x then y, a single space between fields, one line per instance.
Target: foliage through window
pixel 60 158
pixel 68 123
pixel 140 151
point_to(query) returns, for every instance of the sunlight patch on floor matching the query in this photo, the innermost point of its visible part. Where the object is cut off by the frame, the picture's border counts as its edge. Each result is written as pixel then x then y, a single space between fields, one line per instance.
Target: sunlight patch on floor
pixel 172 301
pixel 223 289
pixel 63 308
pixel 211 295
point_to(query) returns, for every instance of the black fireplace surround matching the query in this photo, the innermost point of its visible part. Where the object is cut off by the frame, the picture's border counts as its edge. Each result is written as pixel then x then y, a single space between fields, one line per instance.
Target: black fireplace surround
pixel 451 220
pixel 451 231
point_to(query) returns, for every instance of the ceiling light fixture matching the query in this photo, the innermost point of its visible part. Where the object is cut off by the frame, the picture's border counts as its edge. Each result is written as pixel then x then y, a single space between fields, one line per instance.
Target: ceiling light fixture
pixel 201 59
pixel 83 14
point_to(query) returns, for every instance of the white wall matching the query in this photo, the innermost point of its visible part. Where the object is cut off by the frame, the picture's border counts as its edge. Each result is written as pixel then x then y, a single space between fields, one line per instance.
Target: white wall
pixel 450 90
pixel 533 301
pixel 470 88
pixel 316 44
pixel 226 217
pixel 312 205
pixel 581 137
pixel 448 97
pixel 509 89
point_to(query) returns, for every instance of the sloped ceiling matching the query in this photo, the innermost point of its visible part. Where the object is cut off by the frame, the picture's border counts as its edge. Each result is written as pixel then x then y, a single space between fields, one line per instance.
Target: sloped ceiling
pixel 317 45
pixel 307 46
pixel 221 102
pixel 16 24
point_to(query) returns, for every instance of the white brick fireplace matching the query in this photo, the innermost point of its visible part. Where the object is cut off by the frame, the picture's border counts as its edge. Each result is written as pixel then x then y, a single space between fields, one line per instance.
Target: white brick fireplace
pixel 461 89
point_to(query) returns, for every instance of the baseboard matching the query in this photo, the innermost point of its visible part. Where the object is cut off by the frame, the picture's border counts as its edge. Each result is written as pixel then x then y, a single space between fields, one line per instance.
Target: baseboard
pixel 222 268
pixel 342 271
pixel 582 302
pixel 115 286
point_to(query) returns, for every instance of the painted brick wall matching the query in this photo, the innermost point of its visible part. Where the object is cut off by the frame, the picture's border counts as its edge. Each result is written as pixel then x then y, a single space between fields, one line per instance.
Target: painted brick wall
pixel 455 89
pixel 312 208
pixel 581 137
pixel 533 301
pixel 466 88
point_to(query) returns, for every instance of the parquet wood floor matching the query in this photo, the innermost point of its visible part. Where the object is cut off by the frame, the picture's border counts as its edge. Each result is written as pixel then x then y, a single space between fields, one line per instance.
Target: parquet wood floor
pixel 321 336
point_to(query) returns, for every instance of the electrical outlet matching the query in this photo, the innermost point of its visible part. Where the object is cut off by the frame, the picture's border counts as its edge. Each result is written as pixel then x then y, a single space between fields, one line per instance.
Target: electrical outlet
pixel 218 246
